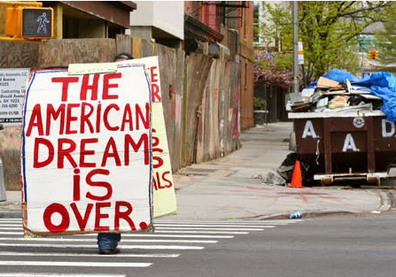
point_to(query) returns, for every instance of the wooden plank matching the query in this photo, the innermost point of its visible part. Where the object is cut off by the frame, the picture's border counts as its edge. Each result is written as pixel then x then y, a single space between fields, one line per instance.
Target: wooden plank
pixel 202 114
pixel 236 80
pixel 222 111
pixel 225 110
pixel 18 55
pixel 198 68
pixel 58 11
pixel 212 139
pixel 215 148
pixel 66 51
pixel 136 48
pixel 183 161
pixel 10 154
pixel 231 87
pixel 247 90
pixel 178 108
pixel 208 114
pixel 171 63
pixel 147 48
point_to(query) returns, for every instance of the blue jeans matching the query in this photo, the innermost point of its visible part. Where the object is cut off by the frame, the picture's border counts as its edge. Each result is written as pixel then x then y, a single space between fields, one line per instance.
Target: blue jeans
pixel 108 240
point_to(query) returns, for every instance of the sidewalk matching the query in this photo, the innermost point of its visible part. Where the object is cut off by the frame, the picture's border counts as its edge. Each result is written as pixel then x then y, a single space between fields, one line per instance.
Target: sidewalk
pixel 232 187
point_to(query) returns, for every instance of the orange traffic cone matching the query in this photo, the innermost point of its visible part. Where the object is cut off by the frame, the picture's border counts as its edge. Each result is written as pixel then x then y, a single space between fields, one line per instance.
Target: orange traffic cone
pixel 296 181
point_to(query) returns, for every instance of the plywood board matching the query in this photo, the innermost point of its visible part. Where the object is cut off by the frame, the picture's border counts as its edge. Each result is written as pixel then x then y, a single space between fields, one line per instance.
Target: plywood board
pixel 63 52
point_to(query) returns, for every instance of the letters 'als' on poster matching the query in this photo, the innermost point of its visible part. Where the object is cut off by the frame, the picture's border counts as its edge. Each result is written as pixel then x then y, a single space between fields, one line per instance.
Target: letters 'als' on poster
pixel 86 152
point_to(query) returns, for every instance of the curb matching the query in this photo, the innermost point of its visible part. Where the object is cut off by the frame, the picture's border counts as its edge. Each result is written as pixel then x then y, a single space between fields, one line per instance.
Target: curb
pixel 304 215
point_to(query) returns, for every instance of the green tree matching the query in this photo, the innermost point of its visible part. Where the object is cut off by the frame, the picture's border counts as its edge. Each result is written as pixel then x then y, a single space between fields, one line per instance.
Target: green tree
pixel 328 30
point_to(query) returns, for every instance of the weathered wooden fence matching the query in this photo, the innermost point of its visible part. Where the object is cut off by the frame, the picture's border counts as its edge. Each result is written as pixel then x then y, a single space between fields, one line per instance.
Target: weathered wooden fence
pixel 201 95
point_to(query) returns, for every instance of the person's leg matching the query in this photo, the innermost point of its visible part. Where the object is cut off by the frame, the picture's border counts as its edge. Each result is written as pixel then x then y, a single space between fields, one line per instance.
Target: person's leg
pixel 108 242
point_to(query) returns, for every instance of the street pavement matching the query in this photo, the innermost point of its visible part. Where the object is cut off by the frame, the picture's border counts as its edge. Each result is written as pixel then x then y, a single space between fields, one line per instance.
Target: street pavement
pixel 172 243
pixel 233 188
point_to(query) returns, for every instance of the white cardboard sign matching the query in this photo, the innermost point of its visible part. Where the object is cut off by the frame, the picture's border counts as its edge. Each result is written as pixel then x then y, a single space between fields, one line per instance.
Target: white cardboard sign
pixel 86 152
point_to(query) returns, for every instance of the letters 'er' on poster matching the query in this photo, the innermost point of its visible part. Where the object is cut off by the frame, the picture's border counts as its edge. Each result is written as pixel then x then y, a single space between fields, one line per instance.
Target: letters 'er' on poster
pixel 86 152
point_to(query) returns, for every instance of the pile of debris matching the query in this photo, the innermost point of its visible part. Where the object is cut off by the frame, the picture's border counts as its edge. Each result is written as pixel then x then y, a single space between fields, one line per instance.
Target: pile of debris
pixel 331 96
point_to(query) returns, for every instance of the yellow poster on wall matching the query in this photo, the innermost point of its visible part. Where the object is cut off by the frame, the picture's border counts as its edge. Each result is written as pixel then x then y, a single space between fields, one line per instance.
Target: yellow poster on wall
pixel 164 196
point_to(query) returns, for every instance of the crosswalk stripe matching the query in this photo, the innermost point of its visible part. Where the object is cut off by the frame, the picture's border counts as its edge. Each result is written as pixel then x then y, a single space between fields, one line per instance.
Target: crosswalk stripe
pixel 10 228
pixel 11 233
pixel 75 264
pixel 124 240
pixel 15 227
pixel 139 235
pixel 146 247
pixel 130 235
pixel 171 226
pixel 175 231
pixel 122 255
pixel 214 229
pixel 162 221
pixel 202 232
pixel 169 236
pixel 280 221
pixel 185 226
pixel 211 225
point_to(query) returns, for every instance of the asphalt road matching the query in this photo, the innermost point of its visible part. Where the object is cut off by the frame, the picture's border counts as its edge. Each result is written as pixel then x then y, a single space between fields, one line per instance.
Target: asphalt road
pixel 344 246
pixel 333 246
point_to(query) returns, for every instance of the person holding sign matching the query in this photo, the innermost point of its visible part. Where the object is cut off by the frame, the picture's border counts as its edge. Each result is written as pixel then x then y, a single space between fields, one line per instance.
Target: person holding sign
pixel 108 242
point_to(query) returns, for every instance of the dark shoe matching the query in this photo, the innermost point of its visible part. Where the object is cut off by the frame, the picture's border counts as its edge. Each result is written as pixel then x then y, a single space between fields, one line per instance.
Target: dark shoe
pixel 109 251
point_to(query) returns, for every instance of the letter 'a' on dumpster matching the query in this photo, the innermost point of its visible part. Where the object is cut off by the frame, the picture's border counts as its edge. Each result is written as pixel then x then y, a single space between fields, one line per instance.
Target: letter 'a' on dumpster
pixel 345 127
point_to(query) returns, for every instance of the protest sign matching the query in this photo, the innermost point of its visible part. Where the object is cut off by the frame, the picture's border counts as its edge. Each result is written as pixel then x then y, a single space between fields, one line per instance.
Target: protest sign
pixel 12 91
pixel 86 152
pixel 163 186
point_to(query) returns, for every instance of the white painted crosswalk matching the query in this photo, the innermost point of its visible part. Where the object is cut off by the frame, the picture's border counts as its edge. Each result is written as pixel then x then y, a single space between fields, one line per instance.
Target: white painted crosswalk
pixel 170 240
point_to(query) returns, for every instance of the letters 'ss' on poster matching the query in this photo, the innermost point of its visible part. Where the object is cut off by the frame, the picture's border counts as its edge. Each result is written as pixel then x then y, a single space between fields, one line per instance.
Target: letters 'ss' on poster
pixel 86 152
pixel 163 185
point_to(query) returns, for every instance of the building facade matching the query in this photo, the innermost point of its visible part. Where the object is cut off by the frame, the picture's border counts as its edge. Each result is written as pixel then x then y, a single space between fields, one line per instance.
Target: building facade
pixel 225 24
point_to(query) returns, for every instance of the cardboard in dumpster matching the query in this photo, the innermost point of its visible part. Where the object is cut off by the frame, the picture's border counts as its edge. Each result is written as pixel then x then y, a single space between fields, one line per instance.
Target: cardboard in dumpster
pixel 330 95
pixel 324 82
pixel 86 152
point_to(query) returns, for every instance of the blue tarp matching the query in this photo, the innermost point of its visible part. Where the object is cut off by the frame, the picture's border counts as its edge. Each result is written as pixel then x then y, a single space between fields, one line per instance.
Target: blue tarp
pixel 337 75
pixel 381 84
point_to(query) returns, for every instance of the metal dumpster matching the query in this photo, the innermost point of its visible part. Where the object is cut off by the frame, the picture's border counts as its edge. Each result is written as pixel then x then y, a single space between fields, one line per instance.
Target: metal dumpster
pixel 345 145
